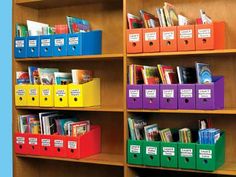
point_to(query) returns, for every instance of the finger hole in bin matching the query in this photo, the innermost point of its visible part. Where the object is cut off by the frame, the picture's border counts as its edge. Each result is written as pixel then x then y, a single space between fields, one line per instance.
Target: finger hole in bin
pixel 186 160
pixel 134 44
pixel 169 159
pixel 150 43
pixel 46 50
pixel 186 42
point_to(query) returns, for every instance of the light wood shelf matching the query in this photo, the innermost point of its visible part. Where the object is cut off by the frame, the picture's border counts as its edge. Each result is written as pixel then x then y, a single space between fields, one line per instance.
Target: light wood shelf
pixel 102 158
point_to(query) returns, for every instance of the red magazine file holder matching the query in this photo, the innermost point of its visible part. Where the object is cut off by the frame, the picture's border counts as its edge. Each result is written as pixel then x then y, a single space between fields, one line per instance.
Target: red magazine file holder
pixel 45 145
pixel 21 143
pixel 58 145
pixel 34 144
pixel 85 145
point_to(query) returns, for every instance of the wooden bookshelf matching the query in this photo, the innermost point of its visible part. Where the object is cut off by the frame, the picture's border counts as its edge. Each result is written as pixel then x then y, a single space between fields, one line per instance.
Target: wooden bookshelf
pixel 111 67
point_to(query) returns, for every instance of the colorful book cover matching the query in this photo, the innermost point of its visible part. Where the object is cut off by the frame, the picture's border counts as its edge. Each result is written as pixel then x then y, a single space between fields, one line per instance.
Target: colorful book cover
pixel 77 25
pixel 204 75
pixel 150 21
pixel 151 132
pixel 61 29
pixel 62 125
pixel 21 30
pixel 33 75
pixel 170 14
pixel 62 78
pixel 150 75
pixel 134 21
pixel 46 75
pixel 131 129
pixel 81 76
pixel 139 128
pixel 22 77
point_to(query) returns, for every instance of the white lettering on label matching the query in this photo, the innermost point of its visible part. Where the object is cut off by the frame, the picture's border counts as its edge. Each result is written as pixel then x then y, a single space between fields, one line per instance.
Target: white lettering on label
pixel 204 33
pixel 168 151
pixel 205 154
pixel 135 149
pixel 58 143
pixel 33 141
pixel 32 43
pixel 186 93
pixel 152 36
pixel 134 93
pixel 20 140
pixel 72 144
pixel 168 93
pixel 73 41
pixel 204 93
pixel 134 37
pixel 59 42
pixel 45 42
pixel 186 34
pixel 150 93
pixel 151 150
pixel 20 43
pixel 168 35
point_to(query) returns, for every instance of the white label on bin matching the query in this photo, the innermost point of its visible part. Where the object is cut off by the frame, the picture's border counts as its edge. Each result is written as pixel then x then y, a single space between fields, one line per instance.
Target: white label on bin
pixel 134 37
pixel 135 149
pixel 45 142
pixel 59 42
pixel 205 154
pixel 33 92
pixel 46 92
pixel 186 93
pixel 20 92
pixel 168 35
pixel 150 93
pixel 152 36
pixel 61 93
pixel 58 143
pixel 186 34
pixel 134 93
pixel 20 43
pixel 45 42
pixel 32 43
pixel 72 144
pixel 204 93
pixel 73 41
pixel 168 151
pixel 33 141
pixel 168 93
pixel 151 150
pixel 204 33
pixel 75 92
pixel 20 140
pixel 186 152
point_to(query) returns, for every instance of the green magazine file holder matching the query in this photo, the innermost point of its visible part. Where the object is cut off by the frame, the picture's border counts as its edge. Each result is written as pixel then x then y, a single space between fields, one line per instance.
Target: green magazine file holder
pixel 151 153
pixel 187 155
pixel 135 152
pixel 211 156
pixel 169 156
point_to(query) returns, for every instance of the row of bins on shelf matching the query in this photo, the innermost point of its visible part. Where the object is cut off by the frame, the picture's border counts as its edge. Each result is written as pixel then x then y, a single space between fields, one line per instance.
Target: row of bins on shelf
pixel 89 43
pixel 58 145
pixel 176 38
pixel 177 96
pixel 206 157
pixel 71 95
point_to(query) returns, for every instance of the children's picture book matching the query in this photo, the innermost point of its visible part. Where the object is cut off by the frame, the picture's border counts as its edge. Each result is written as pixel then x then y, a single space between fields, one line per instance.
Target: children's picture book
pixel 150 21
pixel 134 21
pixel 204 75
pixel 151 132
pixel 186 75
pixel 139 125
pixel 61 29
pixel 36 28
pixel 170 14
pixel 22 77
pixel 131 129
pixel 81 76
pixel 62 78
pixel 62 125
pixel 46 75
pixel 77 25
pixel 166 135
pixel 185 135
pixel 21 30
pixel 150 75
pixel 33 75
pixel 167 74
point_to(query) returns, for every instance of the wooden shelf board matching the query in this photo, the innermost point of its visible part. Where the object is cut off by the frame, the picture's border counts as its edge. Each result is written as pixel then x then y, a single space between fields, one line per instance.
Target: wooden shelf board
pixel 161 54
pixel 227 169
pixel 103 57
pixel 42 4
pixel 221 111
pixel 94 108
pixel 102 158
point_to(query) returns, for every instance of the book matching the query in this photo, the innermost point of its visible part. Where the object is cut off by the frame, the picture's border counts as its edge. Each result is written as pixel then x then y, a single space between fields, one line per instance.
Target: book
pixel 134 21
pixel 77 25
pixel 150 75
pixel 135 74
pixel 62 78
pixel 41 115
pixel 204 18
pixel 62 125
pixel 80 128
pixel 186 75
pixel 81 76
pixel 33 75
pixel 22 77
pixel 150 21
pixel 35 28
pixel 21 30
pixel 166 135
pixel 151 132
pixel 167 74
pixel 208 136
pixel 170 14
pixel 203 73
pixel 46 75
pixel 139 128
pixel 185 135
pixel 131 129
pixel 61 29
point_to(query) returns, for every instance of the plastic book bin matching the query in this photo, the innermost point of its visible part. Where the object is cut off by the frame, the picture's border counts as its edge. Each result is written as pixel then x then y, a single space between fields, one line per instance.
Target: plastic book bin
pixel 134 96
pixel 168 39
pixel 33 47
pixel 33 95
pixel 151 40
pixel 58 146
pixel 186 96
pixel 187 155
pixel 169 155
pixel 135 152
pixel 186 38
pixel 46 46
pixel 168 96
pixel 134 41
pixel 21 143
pixel 33 144
pixel 59 45
pixel 151 98
pixel 20 47
pixel 151 153
pixel 46 145
pixel 46 96
pixel 211 156
pixel 60 96
pixel 21 95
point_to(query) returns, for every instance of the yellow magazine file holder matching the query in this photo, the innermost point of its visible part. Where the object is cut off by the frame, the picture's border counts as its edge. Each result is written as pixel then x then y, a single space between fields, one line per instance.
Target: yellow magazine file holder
pixel 60 96
pixel 84 95
pixel 21 95
pixel 46 95
pixel 33 95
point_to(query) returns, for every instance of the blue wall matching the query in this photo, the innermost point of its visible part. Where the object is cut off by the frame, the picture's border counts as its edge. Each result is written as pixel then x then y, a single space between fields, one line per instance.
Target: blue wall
pixel 5 89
